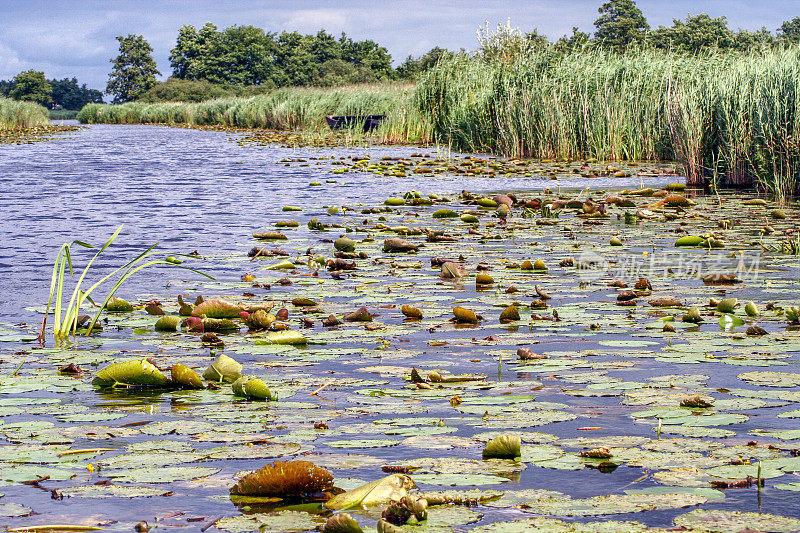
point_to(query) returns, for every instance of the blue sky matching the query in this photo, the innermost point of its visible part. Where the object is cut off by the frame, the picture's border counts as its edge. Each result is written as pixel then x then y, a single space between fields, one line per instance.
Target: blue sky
pixel 76 37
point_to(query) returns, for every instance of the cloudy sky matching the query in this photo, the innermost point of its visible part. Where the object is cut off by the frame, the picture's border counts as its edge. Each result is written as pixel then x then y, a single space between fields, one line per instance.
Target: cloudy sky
pixel 66 38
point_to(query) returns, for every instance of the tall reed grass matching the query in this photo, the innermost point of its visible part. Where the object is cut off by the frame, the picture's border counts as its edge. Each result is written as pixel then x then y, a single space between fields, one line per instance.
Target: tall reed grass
pixel 16 115
pixel 728 115
pixel 730 118
pixel 294 109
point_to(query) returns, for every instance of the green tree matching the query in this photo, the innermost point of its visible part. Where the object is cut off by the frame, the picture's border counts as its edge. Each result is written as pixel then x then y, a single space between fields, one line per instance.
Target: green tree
pixel 248 56
pixel 368 54
pixel 696 33
pixel 577 41
pixel 790 31
pixel 31 85
pixel 621 24
pixel 69 95
pixel 412 67
pixel 134 70
pixel 294 59
pixel 175 90
pixel 5 87
pixel 745 40
pixel 184 53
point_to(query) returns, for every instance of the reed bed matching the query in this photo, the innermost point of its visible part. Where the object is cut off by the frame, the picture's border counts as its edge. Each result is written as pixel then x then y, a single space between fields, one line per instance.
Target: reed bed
pixel 292 109
pixel 15 115
pixel 728 118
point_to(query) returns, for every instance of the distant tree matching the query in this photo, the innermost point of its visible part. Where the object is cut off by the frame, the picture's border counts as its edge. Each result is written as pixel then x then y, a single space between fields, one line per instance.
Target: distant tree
pixel 621 24
pixel 31 85
pixel 134 70
pixel 536 40
pixel 576 41
pixel 368 54
pixel 744 40
pixel 790 31
pixel 248 56
pixel 184 53
pixel 5 87
pixel 696 33
pixel 412 67
pixel 294 60
pixel 69 95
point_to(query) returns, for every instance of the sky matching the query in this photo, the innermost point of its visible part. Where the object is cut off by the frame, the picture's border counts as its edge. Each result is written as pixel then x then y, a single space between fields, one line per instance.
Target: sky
pixel 66 38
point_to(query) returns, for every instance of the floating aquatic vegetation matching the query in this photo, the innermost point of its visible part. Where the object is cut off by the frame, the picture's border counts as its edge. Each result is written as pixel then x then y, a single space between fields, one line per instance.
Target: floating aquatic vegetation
pixel 185 377
pixel 284 479
pixel 223 368
pixel 341 523
pixel 136 372
pixel 503 447
pixel 216 309
pixel 68 322
pixel 384 490
pixel 167 323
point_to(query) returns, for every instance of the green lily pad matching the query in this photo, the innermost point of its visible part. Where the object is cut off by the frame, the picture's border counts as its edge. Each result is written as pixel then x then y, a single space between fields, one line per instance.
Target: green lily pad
pixel 112 491
pixel 457 480
pixel 719 521
pixel 614 504
pixel 362 443
pixel 280 522
pixel 12 509
pixel 167 474
pixel 541 524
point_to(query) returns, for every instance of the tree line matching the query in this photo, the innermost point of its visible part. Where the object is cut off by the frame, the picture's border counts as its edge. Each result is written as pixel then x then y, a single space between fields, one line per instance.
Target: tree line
pixel 33 86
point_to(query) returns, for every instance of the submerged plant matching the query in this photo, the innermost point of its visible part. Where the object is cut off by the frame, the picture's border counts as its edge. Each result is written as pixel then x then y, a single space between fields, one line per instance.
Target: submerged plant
pixel 66 316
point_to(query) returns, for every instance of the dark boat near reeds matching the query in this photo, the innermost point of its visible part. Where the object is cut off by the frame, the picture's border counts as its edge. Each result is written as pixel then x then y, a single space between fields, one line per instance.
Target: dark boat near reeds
pixel 366 122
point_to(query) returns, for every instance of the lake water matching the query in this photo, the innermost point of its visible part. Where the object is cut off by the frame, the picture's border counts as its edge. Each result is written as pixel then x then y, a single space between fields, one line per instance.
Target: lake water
pixel 200 191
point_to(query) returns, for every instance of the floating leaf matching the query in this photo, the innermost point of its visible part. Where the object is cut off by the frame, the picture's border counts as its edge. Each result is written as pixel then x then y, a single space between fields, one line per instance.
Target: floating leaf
pixel 223 368
pixel 719 521
pixel 341 523
pixel 136 372
pixel 216 309
pixel 411 312
pixel 163 474
pixel 503 447
pixel 185 377
pixel 167 323
pixel 256 389
pixel 390 488
pixel 285 337
pixel 282 265
pixel 285 479
pixel 118 305
pixel 728 322
pixel 465 316
pixel 614 504
pixel 345 244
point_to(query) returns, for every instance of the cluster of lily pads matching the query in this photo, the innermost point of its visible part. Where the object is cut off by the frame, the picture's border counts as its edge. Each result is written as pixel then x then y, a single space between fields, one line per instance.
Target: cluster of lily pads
pixel 425 342
pixel 33 134
pixel 424 164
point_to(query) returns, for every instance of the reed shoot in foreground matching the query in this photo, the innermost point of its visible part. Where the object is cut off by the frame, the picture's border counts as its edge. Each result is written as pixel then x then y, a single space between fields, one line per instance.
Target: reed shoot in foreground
pixel 66 317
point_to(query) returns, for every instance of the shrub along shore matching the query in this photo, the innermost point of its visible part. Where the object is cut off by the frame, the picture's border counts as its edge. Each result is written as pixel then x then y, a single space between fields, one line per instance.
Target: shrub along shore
pixel 730 118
